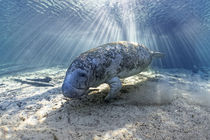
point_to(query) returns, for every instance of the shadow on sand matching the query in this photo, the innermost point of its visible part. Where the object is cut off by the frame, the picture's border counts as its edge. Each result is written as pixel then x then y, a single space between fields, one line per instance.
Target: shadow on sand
pixel 36 83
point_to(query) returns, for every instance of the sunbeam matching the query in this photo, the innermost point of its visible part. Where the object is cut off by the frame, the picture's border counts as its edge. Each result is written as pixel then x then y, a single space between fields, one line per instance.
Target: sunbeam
pixel 64 29
pixel 104 69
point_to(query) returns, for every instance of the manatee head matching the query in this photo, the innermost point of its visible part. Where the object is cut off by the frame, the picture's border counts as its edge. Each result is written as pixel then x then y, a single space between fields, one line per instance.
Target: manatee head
pixel 75 84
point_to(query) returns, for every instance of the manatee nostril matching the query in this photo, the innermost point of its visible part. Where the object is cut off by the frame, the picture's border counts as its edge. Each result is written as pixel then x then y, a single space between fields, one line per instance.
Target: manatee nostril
pixel 71 92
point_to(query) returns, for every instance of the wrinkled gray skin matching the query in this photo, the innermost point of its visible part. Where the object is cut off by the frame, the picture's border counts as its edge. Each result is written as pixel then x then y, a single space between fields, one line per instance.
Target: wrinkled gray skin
pixel 106 64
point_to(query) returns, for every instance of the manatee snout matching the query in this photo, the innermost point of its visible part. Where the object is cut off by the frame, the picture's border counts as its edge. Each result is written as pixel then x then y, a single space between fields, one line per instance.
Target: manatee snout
pixel 72 92
pixel 75 84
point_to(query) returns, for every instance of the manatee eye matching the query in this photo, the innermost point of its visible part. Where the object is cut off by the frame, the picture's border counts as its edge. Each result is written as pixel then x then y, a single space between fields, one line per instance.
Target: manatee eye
pixel 82 75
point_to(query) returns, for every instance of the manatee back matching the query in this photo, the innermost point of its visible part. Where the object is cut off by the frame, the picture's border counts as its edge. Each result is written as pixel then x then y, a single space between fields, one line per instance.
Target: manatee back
pixel 120 59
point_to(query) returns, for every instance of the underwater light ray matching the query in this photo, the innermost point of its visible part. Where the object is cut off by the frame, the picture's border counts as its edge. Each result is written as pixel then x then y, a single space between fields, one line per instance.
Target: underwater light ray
pixel 117 34
pixel 93 32
pixel 203 45
pixel 150 40
pixel 70 40
pixel 83 39
pixel 131 30
pixel 112 29
pixel 24 43
pixel 191 36
pixel 108 26
pixel 131 27
pixel 60 43
pixel 160 42
pixel 108 35
pixel 120 20
pixel 190 49
pixel 73 33
pixel 101 30
pixel 52 41
pixel 170 52
pixel 111 35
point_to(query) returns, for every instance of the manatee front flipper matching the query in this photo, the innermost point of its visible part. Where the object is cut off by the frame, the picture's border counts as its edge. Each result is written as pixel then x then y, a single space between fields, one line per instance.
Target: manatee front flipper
pixel 115 86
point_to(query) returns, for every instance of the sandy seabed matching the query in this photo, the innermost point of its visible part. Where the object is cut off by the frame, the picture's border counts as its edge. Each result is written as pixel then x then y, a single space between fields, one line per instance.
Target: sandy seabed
pixel 156 104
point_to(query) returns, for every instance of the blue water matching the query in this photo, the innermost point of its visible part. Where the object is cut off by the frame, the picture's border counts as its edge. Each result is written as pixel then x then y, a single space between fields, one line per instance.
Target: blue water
pixel 54 32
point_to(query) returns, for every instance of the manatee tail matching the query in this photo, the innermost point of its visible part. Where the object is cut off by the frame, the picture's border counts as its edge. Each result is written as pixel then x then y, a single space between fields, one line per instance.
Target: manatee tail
pixel 157 54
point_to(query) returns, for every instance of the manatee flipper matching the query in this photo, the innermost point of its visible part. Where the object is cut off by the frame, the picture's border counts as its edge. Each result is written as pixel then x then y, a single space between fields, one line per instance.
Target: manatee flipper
pixel 115 86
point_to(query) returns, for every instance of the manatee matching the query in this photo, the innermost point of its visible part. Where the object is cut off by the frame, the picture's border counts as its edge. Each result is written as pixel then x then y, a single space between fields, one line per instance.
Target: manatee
pixel 106 64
